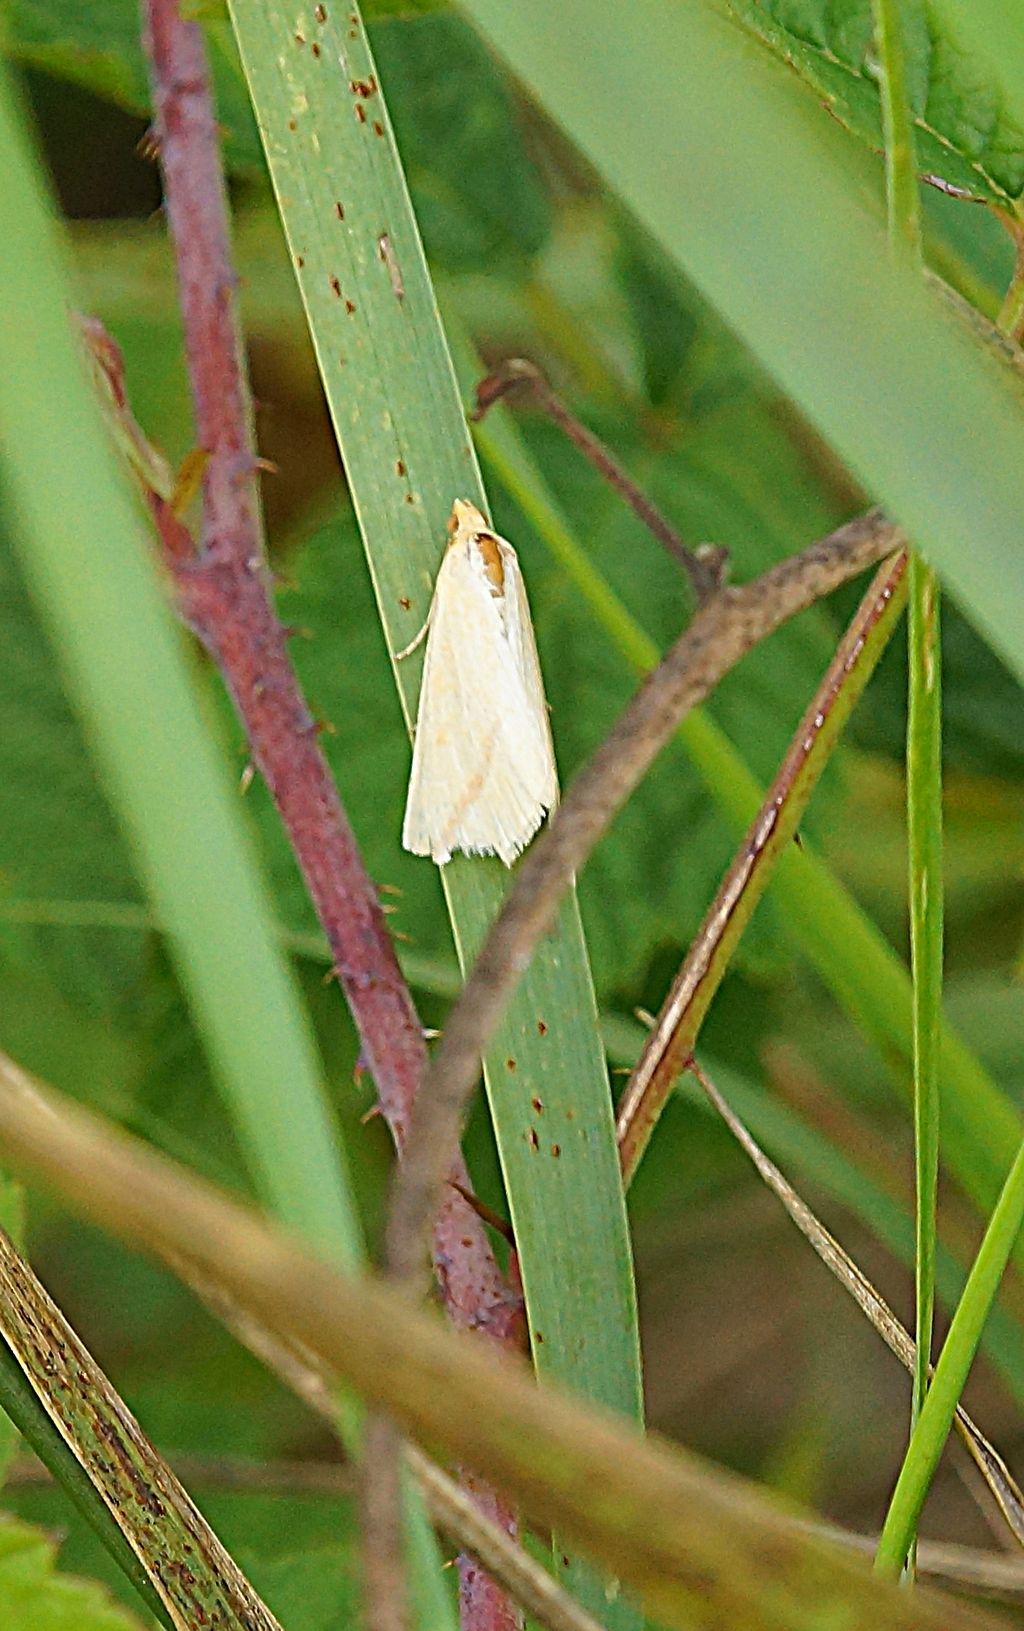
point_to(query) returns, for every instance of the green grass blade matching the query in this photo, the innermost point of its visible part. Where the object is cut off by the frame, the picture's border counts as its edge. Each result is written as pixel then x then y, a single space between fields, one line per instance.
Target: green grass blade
pixel 924 750
pixel 86 559
pixel 901 184
pixel 924 811
pixel 720 154
pixel 951 1373
pixel 392 395
pixel 819 915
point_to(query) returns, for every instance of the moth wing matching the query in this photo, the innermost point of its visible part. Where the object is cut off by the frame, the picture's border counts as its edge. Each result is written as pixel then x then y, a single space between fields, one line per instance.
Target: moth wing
pixel 523 643
pixel 475 783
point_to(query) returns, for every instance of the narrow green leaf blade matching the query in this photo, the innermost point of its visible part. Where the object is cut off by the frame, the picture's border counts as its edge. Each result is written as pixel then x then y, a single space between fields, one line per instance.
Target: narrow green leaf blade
pixel 951 1372
pixel 390 387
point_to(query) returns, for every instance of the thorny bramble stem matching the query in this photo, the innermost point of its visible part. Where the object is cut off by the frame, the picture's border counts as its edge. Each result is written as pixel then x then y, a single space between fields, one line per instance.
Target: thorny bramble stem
pixel 223 592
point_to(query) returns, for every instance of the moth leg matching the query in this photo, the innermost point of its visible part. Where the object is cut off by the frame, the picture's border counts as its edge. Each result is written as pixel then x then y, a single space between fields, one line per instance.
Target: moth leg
pixel 408 650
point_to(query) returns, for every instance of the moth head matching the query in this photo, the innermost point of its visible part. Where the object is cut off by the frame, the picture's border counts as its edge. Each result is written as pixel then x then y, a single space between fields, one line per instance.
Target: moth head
pixel 467 526
pixel 466 519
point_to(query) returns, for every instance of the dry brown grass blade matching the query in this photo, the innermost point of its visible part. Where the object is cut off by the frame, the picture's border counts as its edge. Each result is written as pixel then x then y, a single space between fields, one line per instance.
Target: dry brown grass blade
pixel 674 1034
pixel 998 1479
pixel 699 1547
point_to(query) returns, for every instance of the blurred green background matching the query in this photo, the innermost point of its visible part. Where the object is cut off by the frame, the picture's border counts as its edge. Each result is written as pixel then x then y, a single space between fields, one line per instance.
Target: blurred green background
pixel 752 1354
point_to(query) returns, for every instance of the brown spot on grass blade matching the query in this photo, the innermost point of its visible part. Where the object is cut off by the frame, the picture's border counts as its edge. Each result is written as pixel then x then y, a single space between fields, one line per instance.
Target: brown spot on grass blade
pixel 385 249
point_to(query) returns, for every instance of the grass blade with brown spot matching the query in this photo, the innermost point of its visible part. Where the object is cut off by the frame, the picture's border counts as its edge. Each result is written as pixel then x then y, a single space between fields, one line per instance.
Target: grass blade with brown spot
pixel 389 384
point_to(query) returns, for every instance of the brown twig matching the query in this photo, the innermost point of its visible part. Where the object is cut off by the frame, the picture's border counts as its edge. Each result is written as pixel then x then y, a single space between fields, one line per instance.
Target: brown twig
pixel 223 593
pixel 674 1034
pixel 721 632
pixel 667 1524
pixel 705 567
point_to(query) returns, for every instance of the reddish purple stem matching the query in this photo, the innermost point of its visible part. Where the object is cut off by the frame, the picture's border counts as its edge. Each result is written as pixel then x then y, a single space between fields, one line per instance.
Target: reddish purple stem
pixel 224 595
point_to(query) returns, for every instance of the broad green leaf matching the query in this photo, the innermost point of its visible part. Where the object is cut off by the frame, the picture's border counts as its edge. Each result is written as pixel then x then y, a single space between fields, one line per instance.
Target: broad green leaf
pixel 992 31
pixel 966 136
pixel 34 1596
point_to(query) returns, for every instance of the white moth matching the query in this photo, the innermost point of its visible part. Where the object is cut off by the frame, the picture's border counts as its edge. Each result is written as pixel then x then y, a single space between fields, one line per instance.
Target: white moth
pixel 483 769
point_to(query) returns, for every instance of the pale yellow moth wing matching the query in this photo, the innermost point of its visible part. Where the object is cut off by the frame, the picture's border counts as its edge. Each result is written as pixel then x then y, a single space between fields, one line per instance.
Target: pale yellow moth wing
pixel 523 642
pixel 474 782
